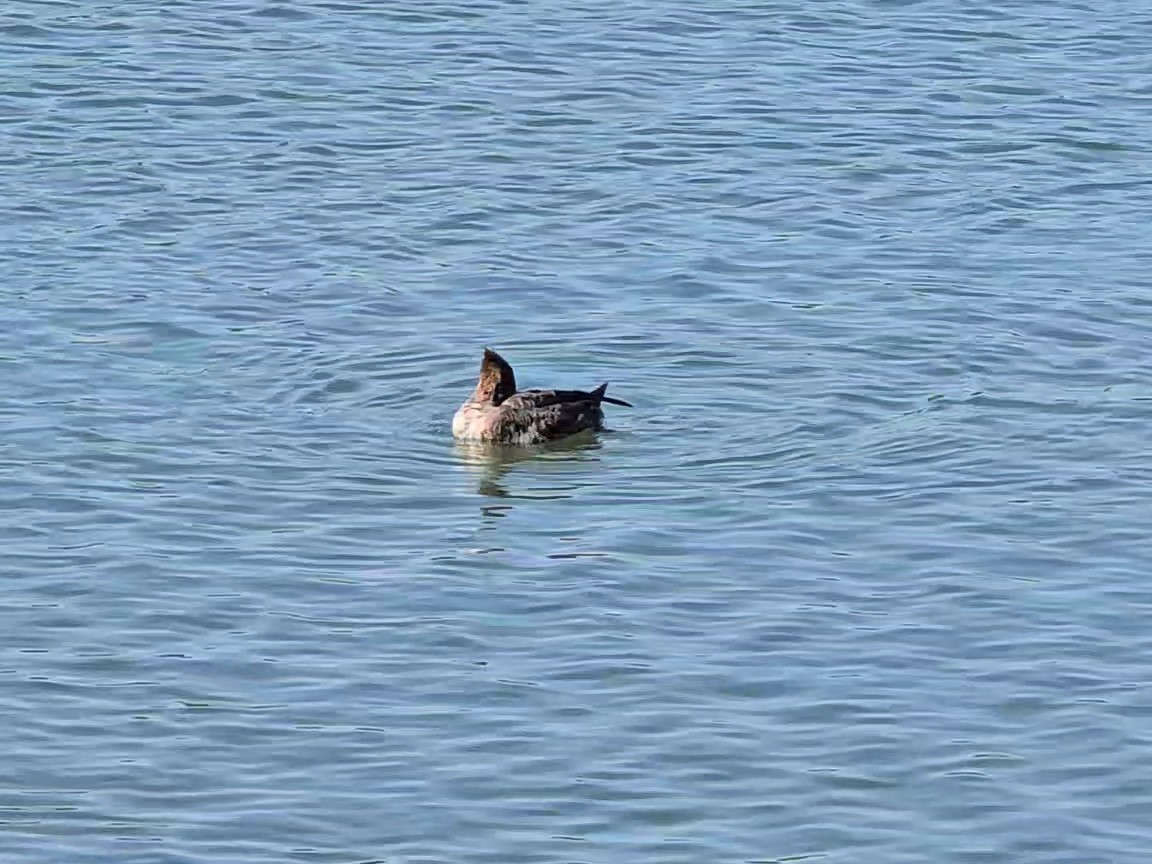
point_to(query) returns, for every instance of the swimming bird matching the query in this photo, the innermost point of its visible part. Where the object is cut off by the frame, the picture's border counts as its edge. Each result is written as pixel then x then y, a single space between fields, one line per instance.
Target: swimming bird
pixel 499 414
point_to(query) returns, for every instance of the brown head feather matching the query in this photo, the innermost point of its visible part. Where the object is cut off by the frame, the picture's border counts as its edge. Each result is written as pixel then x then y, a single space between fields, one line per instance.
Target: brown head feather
pixel 497 380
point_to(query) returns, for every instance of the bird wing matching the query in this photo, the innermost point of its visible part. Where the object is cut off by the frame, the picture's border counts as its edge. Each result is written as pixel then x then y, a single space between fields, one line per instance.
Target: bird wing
pixel 545 398
pixel 540 398
pixel 527 423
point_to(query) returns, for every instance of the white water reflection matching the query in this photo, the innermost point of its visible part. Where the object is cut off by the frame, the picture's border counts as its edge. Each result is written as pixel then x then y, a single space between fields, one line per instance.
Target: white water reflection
pixel 548 469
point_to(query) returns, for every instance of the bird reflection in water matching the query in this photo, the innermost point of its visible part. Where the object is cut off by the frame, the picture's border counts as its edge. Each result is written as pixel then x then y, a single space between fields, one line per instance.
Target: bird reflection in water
pixel 558 460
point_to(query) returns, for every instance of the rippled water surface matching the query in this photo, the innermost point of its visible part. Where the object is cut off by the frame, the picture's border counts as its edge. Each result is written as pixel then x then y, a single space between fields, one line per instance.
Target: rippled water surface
pixel 863 577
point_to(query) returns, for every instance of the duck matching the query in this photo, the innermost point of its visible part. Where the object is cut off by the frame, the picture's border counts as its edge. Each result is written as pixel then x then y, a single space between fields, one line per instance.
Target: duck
pixel 498 413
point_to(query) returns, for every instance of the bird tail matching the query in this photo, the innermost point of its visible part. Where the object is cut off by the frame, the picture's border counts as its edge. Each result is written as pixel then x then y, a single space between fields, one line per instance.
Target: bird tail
pixel 599 394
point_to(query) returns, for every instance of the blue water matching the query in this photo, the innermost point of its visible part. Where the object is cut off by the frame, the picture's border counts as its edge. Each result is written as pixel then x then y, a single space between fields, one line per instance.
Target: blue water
pixel 862 577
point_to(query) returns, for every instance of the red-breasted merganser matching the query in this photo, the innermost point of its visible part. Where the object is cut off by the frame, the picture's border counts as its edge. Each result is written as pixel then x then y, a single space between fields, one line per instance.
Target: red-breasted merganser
pixel 497 413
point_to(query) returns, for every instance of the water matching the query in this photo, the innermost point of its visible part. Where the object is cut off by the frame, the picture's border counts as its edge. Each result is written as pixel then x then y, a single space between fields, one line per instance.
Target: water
pixel 862 577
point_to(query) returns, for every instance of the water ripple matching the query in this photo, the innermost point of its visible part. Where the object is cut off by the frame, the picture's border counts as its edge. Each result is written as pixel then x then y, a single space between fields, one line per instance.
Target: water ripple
pixel 861 575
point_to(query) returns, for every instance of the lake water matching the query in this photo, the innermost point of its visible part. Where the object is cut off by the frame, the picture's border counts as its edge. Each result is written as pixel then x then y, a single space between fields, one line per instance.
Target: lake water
pixel 863 576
